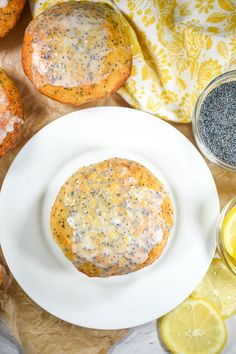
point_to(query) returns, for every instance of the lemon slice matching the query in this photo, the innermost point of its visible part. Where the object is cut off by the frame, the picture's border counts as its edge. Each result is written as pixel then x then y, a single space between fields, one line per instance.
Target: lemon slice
pixel 229 232
pixel 194 327
pixel 219 287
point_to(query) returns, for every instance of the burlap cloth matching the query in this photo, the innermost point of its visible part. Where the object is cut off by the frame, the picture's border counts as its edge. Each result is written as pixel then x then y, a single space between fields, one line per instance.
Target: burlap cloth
pixel 36 330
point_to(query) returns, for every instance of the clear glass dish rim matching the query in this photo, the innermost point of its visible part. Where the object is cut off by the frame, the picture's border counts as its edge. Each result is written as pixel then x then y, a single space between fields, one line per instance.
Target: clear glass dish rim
pixel 229 205
pixel 225 77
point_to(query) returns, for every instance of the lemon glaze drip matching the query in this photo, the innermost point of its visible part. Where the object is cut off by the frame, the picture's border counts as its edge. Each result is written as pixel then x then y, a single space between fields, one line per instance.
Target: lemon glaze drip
pixel 7 119
pixel 72 43
pixel 3 3
pixel 7 122
pixel 116 223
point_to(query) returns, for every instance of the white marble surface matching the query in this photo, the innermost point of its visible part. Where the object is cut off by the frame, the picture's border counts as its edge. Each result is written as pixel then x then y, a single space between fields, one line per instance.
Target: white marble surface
pixel 8 344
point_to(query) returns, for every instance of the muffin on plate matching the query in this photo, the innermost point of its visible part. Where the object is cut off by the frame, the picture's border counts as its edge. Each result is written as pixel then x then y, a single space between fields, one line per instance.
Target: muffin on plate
pixel 76 52
pixel 112 218
pixel 10 11
pixel 11 114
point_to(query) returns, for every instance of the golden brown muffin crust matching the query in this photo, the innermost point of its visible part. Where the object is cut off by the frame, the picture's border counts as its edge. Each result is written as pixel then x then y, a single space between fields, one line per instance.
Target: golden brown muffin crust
pixel 11 114
pixel 9 15
pixel 112 218
pixel 97 75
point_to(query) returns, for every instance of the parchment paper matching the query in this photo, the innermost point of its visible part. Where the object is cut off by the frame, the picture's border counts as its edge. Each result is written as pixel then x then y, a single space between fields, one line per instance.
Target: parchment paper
pixel 35 329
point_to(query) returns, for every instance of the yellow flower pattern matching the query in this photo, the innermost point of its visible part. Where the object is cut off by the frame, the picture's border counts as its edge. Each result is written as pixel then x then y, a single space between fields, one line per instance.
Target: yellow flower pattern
pixel 178 46
pixel 233 51
pixel 205 5
pixel 207 71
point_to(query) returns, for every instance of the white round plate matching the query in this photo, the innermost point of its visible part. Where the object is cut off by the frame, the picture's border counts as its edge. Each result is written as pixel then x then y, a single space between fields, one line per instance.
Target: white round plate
pixel 29 189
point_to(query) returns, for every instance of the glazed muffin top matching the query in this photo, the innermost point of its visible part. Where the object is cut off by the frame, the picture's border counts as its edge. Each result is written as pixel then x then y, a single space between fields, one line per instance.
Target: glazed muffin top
pixel 72 44
pixel 117 212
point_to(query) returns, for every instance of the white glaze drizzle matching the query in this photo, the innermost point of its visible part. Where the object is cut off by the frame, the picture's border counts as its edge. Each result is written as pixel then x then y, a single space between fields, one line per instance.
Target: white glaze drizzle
pixel 7 119
pixel 7 122
pixel 3 3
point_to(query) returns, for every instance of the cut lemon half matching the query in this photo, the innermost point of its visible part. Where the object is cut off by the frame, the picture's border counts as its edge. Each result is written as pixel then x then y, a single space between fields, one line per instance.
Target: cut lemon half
pixel 229 232
pixel 194 327
pixel 219 287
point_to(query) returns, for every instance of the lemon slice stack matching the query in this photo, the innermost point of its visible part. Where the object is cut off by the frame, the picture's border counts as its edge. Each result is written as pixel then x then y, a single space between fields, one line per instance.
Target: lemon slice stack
pixel 219 287
pixel 194 327
pixel 197 326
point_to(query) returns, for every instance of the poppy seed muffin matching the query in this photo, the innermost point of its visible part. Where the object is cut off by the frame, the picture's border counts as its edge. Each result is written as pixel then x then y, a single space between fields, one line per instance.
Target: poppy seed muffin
pixel 76 52
pixel 11 114
pixel 112 218
pixel 10 11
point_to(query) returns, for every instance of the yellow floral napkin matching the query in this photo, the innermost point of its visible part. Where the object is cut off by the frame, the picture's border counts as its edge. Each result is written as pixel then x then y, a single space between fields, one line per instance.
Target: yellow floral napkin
pixel 178 47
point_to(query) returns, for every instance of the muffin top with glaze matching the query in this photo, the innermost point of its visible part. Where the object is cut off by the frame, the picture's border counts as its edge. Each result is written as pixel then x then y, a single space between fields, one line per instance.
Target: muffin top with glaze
pixel 111 218
pixel 73 42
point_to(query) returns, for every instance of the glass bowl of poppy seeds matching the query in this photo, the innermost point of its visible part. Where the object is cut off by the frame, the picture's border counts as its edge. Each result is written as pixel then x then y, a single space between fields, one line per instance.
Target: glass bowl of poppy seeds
pixel 214 121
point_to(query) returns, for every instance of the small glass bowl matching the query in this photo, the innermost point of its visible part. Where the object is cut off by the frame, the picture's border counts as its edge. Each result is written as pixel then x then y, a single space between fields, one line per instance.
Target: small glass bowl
pixel 231 264
pixel 221 79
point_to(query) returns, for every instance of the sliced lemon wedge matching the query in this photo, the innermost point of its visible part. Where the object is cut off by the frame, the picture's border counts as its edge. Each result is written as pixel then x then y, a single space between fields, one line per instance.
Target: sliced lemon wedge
pixel 219 287
pixel 194 327
pixel 229 232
